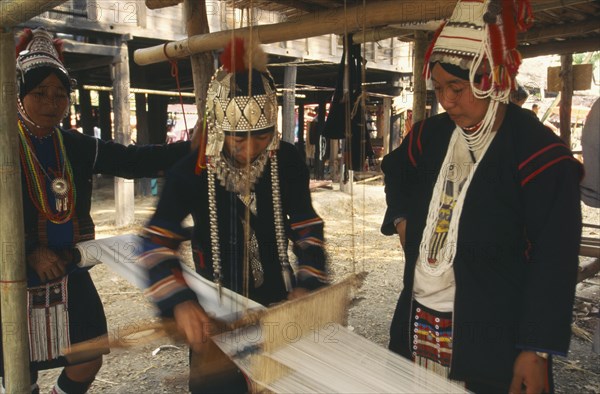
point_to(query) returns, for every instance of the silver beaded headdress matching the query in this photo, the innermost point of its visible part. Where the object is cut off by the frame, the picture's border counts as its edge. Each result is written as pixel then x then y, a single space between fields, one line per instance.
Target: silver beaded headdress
pixel 35 50
pixel 242 101
pixel 40 50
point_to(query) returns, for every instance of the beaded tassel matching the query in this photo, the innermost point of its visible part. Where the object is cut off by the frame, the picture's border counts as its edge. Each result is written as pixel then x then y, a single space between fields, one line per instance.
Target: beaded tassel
pixel 214 230
pixel 279 228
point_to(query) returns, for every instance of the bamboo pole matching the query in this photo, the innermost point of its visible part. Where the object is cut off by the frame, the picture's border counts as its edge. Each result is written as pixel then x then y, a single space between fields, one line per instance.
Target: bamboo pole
pixel 331 21
pixel 311 25
pixel 124 193
pixel 13 12
pixel 387 118
pixel 13 283
pixel 140 91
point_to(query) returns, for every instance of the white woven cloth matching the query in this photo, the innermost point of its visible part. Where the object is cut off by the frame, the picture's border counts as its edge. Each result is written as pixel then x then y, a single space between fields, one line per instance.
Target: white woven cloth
pixel 121 255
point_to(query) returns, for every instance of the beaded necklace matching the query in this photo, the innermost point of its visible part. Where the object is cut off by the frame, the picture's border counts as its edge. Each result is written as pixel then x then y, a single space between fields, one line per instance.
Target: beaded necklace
pixel 62 185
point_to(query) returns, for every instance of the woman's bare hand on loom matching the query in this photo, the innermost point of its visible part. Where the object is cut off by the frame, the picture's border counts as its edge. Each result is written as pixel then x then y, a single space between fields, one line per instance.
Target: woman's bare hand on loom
pixel 194 324
pixel 47 264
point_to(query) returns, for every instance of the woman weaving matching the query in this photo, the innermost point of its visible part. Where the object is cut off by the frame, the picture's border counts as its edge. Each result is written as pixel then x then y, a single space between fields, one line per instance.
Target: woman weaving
pixel 476 195
pixel 57 167
pixel 248 194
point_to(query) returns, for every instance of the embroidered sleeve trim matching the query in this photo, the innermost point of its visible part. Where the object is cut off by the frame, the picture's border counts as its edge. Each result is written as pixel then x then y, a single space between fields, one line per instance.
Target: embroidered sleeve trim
pixel 545 167
pixel 536 154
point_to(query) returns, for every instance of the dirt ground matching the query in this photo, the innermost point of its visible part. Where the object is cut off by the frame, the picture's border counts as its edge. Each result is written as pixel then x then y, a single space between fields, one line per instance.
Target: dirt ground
pixel 354 243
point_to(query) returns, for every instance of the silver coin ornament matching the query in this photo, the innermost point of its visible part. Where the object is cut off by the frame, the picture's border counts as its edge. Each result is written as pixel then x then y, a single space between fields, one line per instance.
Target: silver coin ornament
pixel 60 188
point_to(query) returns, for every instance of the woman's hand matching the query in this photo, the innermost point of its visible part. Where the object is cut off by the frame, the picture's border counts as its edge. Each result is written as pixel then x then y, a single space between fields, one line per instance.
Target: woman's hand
pixel 529 370
pixel 46 263
pixel 194 324
pixel 401 230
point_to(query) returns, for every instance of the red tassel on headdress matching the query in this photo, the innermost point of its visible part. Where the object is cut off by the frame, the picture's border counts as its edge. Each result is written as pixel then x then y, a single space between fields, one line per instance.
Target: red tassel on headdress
pixel 512 57
pixel 496 43
pixel 24 40
pixel 524 15
pixel 232 57
pixel 508 24
pixel 58 45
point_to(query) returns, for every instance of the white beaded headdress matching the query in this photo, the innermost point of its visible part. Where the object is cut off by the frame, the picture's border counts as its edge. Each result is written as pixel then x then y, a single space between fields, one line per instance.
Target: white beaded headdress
pixel 481 38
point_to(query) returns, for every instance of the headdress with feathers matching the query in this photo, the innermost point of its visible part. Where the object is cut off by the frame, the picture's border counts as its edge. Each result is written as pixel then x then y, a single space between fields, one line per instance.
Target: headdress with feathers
pixel 480 38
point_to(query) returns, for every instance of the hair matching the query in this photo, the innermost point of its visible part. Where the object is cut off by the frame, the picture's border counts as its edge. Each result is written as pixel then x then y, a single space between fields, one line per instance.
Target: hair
pixel 36 75
pixel 519 95
pixel 456 71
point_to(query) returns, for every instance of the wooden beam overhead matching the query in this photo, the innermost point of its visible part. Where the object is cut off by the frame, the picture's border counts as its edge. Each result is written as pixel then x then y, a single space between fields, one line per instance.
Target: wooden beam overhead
pixel 90 64
pixel 561 47
pixel 85 48
pixel 564 30
pixel 13 12
pixel 299 5
pixel 337 20
pixel 545 5
pixel 156 4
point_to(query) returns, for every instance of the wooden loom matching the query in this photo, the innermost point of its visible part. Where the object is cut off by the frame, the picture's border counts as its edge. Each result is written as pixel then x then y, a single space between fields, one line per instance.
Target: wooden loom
pixel 303 345
pixel 297 346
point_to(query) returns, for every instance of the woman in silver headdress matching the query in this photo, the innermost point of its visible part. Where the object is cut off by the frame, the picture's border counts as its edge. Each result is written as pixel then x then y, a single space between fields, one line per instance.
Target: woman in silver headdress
pixel 57 168
pixel 247 193
pixel 477 195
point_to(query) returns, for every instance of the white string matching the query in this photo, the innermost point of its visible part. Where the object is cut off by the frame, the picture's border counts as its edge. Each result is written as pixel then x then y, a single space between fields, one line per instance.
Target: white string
pixel 479 138
pixel 335 359
pixel 446 254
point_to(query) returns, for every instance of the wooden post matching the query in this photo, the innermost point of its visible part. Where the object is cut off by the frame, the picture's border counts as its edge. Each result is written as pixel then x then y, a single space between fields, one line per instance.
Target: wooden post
pixel 420 89
pixel 202 63
pixel 104 121
pixel 301 145
pixel 334 162
pixel 13 282
pixel 142 138
pixel 566 73
pixel 157 117
pixel 85 108
pixel 319 165
pixel 289 103
pixel 386 123
pixel 124 196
